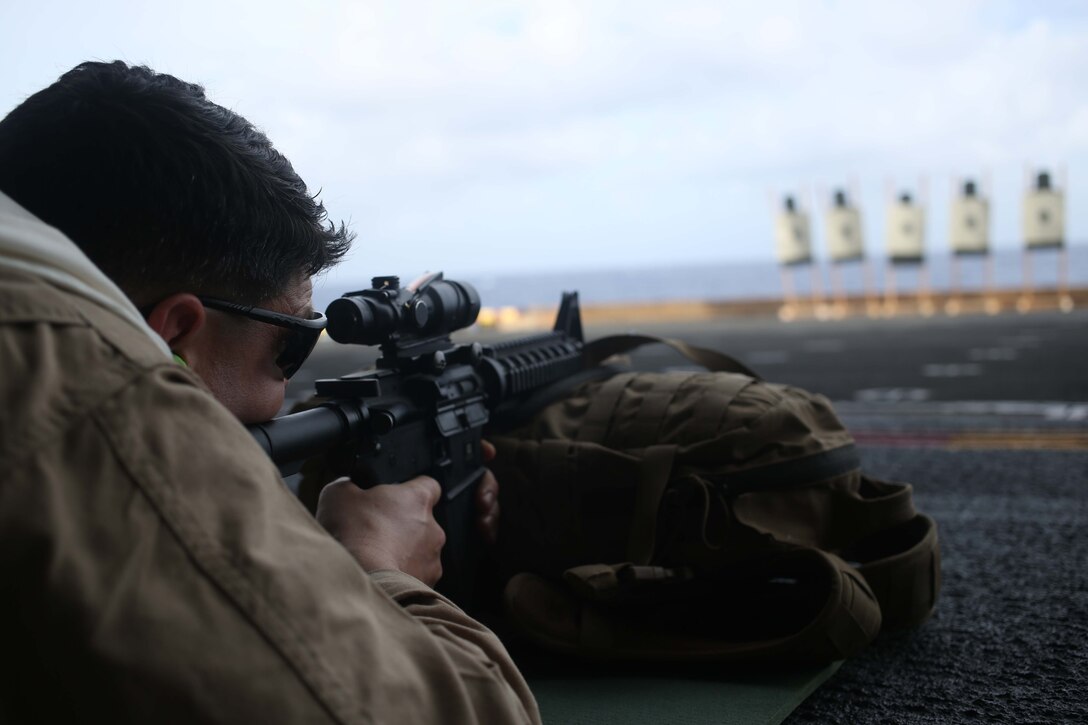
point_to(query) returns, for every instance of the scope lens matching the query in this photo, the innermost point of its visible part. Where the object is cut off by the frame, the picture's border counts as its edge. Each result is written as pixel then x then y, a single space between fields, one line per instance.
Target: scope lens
pixel 352 320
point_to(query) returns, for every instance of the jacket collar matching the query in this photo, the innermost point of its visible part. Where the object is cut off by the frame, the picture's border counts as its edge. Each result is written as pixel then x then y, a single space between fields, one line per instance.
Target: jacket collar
pixel 29 245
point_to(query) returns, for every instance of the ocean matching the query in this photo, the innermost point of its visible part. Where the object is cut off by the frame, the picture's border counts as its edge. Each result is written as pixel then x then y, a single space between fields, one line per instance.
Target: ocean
pixel 747 280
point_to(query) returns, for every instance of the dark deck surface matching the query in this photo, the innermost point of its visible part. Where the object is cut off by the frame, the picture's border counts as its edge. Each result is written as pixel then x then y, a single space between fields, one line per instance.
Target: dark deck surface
pixel 988 418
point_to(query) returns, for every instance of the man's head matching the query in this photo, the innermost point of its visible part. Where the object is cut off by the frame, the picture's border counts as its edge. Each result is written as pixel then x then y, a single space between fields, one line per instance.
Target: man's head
pixel 175 198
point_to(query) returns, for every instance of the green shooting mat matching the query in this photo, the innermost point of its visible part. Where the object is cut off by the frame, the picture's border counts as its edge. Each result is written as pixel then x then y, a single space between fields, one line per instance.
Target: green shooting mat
pixel 606 695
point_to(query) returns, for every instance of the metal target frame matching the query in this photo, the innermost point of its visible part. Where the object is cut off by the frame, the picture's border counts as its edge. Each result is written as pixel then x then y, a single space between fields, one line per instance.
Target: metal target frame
pixel 845 235
pixel 793 241
pixel 969 237
pixel 1043 220
pixel 905 245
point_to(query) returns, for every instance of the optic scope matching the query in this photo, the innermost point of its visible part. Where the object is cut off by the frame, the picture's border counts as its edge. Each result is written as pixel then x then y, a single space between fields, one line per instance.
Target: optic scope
pixel 431 307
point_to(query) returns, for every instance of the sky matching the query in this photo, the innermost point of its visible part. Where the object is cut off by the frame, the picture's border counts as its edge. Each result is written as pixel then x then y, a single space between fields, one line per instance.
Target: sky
pixel 500 136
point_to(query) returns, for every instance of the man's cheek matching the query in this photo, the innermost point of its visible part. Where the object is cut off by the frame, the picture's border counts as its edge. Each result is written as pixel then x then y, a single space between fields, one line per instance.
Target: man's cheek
pixel 258 403
pixel 271 401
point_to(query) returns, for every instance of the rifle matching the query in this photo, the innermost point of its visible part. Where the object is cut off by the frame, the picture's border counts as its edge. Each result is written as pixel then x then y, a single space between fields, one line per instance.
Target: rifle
pixel 423 409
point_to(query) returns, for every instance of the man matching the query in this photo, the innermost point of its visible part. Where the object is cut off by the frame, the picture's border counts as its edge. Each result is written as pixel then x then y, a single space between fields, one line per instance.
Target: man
pixel 154 566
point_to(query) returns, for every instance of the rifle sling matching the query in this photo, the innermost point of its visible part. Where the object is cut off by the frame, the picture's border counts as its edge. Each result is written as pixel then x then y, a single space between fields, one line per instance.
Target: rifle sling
pixel 603 348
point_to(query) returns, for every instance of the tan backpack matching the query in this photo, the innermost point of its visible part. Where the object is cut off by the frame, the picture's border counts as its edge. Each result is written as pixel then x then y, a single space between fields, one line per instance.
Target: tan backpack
pixel 704 516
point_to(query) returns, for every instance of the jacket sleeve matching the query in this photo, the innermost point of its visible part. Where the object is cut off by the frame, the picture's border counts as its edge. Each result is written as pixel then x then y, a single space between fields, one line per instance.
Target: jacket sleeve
pixel 168 575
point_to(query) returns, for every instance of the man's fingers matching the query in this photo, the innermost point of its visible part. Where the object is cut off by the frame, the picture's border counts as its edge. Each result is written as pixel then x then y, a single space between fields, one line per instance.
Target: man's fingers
pixel 487 494
pixel 428 487
pixel 332 497
pixel 488 451
pixel 488 524
pixel 487 507
pixel 388 526
pixel 339 484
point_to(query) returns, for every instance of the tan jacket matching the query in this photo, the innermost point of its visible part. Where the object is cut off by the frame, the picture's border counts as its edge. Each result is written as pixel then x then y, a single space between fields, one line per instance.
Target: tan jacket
pixel 154 568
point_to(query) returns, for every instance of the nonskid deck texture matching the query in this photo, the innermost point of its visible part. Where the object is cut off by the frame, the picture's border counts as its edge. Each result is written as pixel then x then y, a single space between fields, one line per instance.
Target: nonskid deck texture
pixel 1009 640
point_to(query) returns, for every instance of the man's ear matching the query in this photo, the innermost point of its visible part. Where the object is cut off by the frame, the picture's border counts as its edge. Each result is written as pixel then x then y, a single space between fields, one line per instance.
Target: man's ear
pixel 178 319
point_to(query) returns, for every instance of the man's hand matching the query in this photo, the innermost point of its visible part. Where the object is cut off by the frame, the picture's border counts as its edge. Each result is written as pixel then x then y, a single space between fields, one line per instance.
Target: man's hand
pixel 388 526
pixel 487 500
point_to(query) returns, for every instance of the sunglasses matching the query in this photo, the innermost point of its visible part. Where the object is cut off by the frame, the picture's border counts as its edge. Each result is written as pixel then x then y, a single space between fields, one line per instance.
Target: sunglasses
pixel 304 332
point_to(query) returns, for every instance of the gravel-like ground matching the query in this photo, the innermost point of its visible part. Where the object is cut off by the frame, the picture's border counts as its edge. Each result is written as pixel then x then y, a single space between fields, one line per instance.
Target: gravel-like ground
pixel 1009 640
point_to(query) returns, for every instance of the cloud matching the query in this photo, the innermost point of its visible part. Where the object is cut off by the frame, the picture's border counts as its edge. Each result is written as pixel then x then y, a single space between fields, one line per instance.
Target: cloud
pixel 633 130
pixel 547 86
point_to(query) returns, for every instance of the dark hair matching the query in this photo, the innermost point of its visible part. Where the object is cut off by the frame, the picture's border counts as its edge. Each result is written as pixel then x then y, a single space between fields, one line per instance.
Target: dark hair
pixel 164 190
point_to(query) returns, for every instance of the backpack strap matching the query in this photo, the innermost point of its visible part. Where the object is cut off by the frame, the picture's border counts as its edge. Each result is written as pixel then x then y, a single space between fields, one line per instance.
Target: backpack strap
pixel 599 350
pixel 629 410
pixel 598 418
pixel 605 582
pixel 790 473
pixel 797 607
pixel 902 565
pixel 654 476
